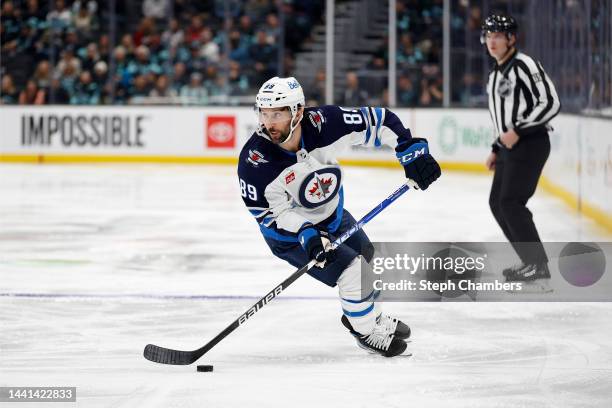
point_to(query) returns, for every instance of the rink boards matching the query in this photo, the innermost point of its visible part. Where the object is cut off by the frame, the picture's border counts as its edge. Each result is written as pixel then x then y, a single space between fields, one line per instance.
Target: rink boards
pixel 579 170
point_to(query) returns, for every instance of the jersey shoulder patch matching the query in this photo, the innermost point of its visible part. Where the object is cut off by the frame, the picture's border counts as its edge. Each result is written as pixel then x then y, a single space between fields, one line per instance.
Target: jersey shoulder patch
pixel 316 118
pixel 255 152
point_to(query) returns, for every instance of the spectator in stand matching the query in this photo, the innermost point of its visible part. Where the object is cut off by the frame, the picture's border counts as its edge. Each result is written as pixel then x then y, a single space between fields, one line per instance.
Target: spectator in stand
pixel 8 92
pixel 219 90
pixel 179 76
pixel 431 87
pixel 245 26
pixel 90 5
pixel 86 91
pixel 209 49
pixel 239 46
pixel 157 9
pixel 42 74
pixel 83 22
pixel 34 12
pixel 100 74
pixel 196 62
pixel 257 9
pixel 162 91
pixel 10 25
pixel 353 96
pixel 222 6
pixel 34 17
pixel 122 62
pixel 89 56
pixel 60 17
pixel 238 82
pixel 104 48
pixel 194 93
pixel 297 25
pixel 407 94
pixel 264 56
pixel 377 63
pixel 173 37
pixel 408 55
pixel 143 65
pixel 32 95
pixel 185 9
pixel 58 95
pixel 69 76
pixel 194 31
pixel 139 90
pixel 26 42
pixel 272 28
pixel 317 89
pixel 72 40
pixel 385 97
pixel 68 60
pixel 128 44
pixel 146 29
pixel 156 49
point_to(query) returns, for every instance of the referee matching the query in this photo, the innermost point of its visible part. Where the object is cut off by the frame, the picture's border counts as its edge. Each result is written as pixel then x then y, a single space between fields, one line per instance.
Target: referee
pixel 522 99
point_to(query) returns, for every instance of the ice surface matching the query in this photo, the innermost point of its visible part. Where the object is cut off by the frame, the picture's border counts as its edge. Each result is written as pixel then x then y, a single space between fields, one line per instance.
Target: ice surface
pixel 97 261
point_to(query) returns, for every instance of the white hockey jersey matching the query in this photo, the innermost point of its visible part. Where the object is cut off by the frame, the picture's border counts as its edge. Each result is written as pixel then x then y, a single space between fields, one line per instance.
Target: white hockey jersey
pixel 284 190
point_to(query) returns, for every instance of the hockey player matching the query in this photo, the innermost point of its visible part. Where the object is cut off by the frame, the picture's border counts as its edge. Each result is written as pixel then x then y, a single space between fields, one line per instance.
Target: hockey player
pixel 291 183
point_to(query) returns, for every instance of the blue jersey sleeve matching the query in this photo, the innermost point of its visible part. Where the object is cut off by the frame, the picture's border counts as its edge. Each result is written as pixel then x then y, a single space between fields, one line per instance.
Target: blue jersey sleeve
pixel 252 190
pixel 367 126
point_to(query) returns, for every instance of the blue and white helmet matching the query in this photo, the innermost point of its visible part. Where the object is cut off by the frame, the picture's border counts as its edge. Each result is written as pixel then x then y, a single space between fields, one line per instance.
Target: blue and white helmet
pixel 280 92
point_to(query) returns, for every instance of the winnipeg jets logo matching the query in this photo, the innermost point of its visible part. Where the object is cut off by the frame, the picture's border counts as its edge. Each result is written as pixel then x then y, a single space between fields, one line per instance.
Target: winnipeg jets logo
pixel 317 119
pixel 320 187
pixel 256 158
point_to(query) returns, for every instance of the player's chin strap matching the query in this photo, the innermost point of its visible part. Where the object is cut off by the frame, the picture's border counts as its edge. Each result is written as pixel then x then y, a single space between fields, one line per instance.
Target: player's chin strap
pixel 292 128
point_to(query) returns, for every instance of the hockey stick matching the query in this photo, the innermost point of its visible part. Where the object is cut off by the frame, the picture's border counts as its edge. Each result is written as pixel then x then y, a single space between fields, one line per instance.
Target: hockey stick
pixel 168 356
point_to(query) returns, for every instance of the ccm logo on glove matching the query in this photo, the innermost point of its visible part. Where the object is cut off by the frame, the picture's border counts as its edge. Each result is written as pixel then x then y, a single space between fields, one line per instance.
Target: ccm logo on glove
pixel 419 165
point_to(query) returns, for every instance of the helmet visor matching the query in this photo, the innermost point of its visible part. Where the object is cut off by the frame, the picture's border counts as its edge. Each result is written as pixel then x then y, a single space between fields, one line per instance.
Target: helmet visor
pixel 268 116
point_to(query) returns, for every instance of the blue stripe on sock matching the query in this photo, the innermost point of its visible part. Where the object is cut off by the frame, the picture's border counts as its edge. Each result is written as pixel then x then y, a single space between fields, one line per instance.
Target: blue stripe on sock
pixel 360 313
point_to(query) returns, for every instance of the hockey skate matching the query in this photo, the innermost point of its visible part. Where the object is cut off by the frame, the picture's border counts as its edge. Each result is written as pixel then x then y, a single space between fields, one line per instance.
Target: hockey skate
pixel 386 339
pixel 535 276
pixel 513 269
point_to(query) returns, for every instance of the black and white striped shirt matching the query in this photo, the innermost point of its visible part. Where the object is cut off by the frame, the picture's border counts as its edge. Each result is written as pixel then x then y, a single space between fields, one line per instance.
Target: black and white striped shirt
pixel 521 96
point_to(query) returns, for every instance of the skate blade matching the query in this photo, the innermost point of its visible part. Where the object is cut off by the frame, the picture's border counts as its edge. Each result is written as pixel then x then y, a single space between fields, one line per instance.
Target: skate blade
pixel 406 353
pixel 535 286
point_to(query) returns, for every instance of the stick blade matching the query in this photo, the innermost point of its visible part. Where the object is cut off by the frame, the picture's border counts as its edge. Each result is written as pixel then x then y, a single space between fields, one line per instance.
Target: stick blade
pixel 168 356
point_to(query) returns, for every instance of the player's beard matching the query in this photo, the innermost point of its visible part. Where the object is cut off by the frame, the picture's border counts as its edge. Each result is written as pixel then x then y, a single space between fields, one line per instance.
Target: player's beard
pixel 279 137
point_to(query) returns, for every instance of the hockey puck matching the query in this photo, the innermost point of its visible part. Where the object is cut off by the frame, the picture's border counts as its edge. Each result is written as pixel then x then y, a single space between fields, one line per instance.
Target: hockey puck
pixel 205 368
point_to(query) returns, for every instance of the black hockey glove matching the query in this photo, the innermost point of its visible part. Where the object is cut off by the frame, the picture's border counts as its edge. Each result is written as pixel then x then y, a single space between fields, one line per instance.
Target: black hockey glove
pixel 418 164
pixel 316 244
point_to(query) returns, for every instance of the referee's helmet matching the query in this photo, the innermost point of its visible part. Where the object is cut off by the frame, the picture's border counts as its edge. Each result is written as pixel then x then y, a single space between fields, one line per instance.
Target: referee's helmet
pixel 498 23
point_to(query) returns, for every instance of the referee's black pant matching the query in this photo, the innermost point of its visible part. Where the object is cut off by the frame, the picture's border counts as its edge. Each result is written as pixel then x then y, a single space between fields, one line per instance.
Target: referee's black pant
pixel 516 177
